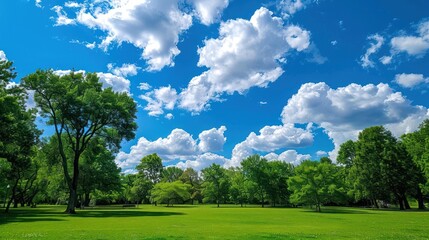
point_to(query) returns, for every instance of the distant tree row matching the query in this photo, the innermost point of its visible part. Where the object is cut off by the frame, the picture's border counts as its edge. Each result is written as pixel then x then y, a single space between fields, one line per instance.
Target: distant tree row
pixel 75 166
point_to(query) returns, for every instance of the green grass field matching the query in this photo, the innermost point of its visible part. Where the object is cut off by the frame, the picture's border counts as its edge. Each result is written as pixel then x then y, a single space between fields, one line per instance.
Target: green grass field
pixel 209 222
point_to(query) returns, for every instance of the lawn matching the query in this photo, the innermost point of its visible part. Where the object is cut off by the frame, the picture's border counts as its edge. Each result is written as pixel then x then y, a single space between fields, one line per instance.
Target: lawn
pixel 209 222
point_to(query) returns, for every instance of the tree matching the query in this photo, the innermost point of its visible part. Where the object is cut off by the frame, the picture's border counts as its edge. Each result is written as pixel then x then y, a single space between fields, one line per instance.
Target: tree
pixel 190 176
pixel 216 184
pixel 256 170
pixel 18 134
pixel 278 175
pixel 381 167
pixel 98 171
pixel 417 145
pixel 170 192
pixel 240 186
pixel 151 167
pixel 78 107
pixel 171 174
pixel 315 183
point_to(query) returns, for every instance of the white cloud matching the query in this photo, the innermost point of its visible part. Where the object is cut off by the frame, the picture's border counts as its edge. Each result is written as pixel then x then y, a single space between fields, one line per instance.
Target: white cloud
pixel 271 138
pixel 386 60
pixel 209 11
pixel 124 71
pixel 178 145
pixel 2 56
pixel 246 54
pixel 334 42
pixel 202 161
pixel 71 4
pixel 410 80
pixel 38 3
pixel 169 116
pixel 289 156
pixel 152 26
pixel 290 7
pixel 160 99
pixel 413 45
pixel 376 43
pixel 321 153
pixel 62 18
pixel 345 111
pixel 117 83
pixel 144 86
pixel 212 140
pixel 90 45
pixel 263 103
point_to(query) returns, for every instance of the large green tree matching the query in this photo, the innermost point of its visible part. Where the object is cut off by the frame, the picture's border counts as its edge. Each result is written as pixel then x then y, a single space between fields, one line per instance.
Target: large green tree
pixel 316 183
pixel 18 134
pixel 381 167
pixel 216 184
pixel 417 145
pixel 77 106
pixel 256 169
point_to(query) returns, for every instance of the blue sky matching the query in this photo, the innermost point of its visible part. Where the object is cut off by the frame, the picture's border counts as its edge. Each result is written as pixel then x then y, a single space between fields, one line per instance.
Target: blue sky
pixel 218 80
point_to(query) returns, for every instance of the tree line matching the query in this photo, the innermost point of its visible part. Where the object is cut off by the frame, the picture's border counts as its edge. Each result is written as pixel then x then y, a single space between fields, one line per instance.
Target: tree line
pixel 75 166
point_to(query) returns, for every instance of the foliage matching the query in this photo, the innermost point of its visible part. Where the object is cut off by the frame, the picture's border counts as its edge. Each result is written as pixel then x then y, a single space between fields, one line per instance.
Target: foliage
pixel 78 107
pixel 316 183
pixel 170 192
pixel 216 184
pixel 18 136
pixel 171 174
pixel 256 170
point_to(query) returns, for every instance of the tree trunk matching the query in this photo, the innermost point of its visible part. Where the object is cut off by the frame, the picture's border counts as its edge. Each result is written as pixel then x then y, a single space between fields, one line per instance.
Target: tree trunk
pixel 406 203
pixel 420 198
pixel 71 206
pixel 87 200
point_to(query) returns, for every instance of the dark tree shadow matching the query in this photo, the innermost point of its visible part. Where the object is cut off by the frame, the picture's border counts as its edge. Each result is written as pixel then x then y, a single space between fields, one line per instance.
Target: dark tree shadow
pixel 46 214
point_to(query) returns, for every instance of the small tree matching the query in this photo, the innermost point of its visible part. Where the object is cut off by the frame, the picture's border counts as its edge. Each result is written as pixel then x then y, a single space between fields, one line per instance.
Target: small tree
pixel 170 192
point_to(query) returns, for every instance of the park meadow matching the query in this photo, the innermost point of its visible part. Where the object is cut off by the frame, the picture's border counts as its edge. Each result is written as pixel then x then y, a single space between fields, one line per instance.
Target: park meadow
pixel 210 222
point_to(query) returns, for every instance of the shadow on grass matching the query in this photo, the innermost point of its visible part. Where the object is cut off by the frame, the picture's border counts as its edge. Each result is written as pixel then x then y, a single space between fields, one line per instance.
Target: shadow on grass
pixel 337 211
pixel 51 215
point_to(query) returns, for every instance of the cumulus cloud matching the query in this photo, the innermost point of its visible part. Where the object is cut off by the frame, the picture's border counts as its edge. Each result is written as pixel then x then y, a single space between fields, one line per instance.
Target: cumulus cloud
pixel 410 80
pixel 2 55
pixel 375 44
pixel 212 140
pixel 209 11
pixel 345 111
pixel 289 156
pixel 124 71
pixel 117 83
pixel 178 145
pixel 271 138
pixel 246 54
pixel 152 26
pixel 321 153
pixel 160 99
pixel 202 161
